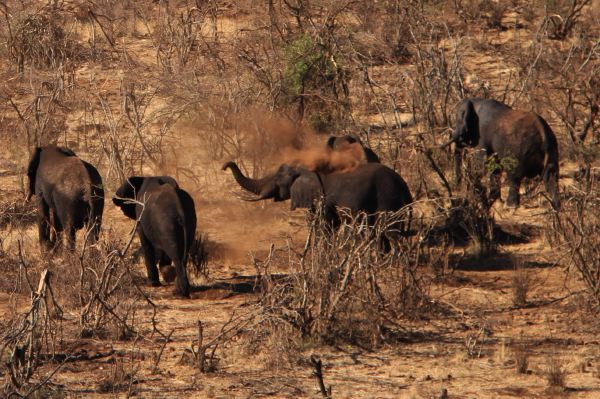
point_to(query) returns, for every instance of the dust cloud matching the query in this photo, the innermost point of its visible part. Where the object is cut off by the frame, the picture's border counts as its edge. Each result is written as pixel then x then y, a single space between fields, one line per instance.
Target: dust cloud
pixel 325 160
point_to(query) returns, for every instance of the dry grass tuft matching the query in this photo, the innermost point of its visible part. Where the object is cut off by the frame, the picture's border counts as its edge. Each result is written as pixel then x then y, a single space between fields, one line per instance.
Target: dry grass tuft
pixel 521 351
pixel 555 372
pixel 521 283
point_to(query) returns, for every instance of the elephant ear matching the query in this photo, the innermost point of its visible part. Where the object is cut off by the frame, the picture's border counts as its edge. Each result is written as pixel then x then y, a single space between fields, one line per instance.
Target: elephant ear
pixel 34 163
pixel 305 190
pixel 129 191
pixel 471 124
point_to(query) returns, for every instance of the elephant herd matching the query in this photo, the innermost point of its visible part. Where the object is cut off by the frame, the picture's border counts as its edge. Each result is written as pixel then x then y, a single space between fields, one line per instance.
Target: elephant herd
pixel 70 194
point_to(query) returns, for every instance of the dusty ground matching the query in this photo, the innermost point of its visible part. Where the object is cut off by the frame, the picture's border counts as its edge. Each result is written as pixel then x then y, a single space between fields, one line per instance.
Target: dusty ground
pixel 470 351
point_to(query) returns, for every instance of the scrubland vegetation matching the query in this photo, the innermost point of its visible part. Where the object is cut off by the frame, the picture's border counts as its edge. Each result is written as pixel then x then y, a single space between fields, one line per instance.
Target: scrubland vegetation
pixel 481 300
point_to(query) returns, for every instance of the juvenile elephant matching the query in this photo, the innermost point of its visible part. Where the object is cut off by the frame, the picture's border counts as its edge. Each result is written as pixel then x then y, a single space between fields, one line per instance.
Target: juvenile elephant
pixel 68 192
pixel 521 142
pixel 369 188
pixel 166 227
pixel 339 143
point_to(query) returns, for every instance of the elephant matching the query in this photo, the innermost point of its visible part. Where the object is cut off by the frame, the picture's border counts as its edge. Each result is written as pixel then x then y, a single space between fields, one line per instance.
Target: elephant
pixel 521 142
pixel 69 195
pixel 370 188
pixel 337 143
pixel 166 217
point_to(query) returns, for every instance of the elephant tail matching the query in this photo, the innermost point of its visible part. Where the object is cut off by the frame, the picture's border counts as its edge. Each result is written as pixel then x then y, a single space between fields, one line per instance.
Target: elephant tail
pixel 551 166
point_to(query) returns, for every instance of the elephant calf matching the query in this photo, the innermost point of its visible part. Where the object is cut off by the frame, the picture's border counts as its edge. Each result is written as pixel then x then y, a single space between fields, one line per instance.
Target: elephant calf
pixel 523 139
pixel 166 227
pixel 69 195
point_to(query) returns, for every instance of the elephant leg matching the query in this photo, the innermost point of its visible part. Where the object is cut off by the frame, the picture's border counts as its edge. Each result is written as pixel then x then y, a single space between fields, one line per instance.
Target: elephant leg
pixel 57 229
pixel 385 244
pixel 71 231
pixel 182 284
pixel 551 183
pixel 150 260
pixel 332 219
pixel 44 224
pixel 514 185
pixel 494 191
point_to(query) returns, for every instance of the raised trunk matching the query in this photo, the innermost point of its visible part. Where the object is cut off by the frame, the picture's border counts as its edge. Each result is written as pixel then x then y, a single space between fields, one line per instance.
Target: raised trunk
pixel 255 186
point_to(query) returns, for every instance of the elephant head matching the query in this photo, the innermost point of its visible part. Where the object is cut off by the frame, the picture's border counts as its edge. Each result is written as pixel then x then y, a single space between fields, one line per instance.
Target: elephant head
pixel 133 189
pixel 300 185
pixel 340 143
pixel 34 163
pixel 466 132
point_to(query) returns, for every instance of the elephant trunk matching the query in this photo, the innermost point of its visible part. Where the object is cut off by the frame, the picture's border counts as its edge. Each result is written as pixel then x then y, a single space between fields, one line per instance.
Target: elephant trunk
pixel 261 187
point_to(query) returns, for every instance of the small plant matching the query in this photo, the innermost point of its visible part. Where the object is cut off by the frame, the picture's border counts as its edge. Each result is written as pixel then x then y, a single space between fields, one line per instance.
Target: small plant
pixel 520 351
pixel 494 12
pixel 555 374
pixel 563 16
pixel 40 40
pixel 520 286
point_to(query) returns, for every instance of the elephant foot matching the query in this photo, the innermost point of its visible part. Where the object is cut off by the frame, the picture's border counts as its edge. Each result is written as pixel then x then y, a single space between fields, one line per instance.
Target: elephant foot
pixel 180 294
pixel 182 289
pixel 155 283
pixel 168 273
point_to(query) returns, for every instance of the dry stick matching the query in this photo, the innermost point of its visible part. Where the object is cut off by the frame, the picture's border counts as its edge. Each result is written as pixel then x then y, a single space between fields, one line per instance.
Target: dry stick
pixel 167 340
pixel 201 349
pixel 318 373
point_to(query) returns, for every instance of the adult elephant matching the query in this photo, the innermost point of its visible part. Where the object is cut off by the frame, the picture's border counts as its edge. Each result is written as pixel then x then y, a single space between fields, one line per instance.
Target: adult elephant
pixel 369 188
pixel 68 192
pixel 342 142
pixel 521 142
pixel 166 218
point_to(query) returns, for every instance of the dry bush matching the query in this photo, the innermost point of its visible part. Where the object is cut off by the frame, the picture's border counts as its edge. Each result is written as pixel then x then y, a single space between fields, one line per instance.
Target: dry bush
pixel 96 286
pixel 471 212
pixel 521 351
pixel 15 212
pixel 437 84
pixel 555 372
pixel 577 229
pixel 563 15
pixel 39 39
pixel 342 287
pixel 30 339
pixel 121 376
pixel 520 286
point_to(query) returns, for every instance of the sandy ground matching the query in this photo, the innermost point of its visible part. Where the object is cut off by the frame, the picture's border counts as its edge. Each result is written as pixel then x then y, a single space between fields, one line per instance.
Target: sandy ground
pixel 470 351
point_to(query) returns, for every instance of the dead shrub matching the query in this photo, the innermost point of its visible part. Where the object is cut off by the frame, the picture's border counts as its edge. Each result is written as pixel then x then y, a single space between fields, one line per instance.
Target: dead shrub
pixel 563 15
pixel 471 213
pixel 342 287
pixel 39 39
pixel 198 255
pixel 106 291
pixel 437 84
pixel 555 373
pixel 16 212
pixel 493 12
pixel 31 339
pixel 520 286
pixel 521 350
pixel 577 229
